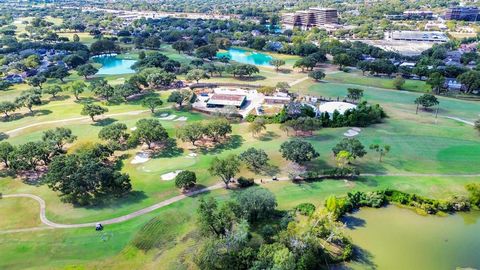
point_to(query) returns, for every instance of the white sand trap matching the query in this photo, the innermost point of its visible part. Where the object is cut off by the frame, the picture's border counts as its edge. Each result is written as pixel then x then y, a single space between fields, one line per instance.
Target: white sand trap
pixel 133 128
pixel 350 133
pixel 192 155
pixel 356 129
pixel 170 176
pixel 170 117
pixel 164 115
pixel 183 118
pixel 141 157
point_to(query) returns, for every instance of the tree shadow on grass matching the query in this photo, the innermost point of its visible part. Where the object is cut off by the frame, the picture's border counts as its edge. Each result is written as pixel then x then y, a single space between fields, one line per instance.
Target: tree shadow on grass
pixel 251 79
pixel 104 122
pixel 372 167
pixel 285 70
pixel 86 100
pixel 321 137
pixel 268 136
pixel 318 165
pixel 170 150
pixel 233 142
pixel 368 181
pixel 40 112
pixel 60 98
pixel 194 192
pixel 18 116
pixel 271 170
pixel 7 173
pixel 108 201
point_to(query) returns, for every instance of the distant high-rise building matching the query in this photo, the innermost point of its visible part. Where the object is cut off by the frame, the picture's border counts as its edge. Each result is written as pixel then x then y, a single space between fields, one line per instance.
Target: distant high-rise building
pixel 462 14
pixel 313 17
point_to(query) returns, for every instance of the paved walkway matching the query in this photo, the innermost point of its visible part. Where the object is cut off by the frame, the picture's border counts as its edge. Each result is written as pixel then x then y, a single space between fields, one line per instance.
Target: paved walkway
pixel 140 212
pixel 298 81
pixel 53 225
pixel 460 120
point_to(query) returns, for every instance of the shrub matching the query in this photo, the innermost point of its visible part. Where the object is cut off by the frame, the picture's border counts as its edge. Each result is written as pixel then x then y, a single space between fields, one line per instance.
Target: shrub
pixel 344 172
pixel 245 182
pixel 305 209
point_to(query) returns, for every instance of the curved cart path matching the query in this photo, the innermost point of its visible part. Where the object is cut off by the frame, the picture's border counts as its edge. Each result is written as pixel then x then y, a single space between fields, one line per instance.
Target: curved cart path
pixel 140 212
pixel 13 131
pixel 52 225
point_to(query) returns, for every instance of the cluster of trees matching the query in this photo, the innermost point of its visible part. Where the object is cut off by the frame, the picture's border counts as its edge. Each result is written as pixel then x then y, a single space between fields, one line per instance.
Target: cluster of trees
pixel 301 117
pixel 363 115
pixel 27 99
pixel 242 70
pixel 86 177
pixel 226 168
pixel 102 89
pixel 35 154
pixel 149 132
pixel 157 60
pixel 306 125
pixel 180 97
pixel 355 200
pixel 228 230
pixel 213 130
pixel 376 67
pixel 314 57
pixel 103 46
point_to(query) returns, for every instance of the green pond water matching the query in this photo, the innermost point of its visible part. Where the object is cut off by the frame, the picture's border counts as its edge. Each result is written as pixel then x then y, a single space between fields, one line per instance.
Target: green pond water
pixel 246 57
pixel 396 238
pixel 112 65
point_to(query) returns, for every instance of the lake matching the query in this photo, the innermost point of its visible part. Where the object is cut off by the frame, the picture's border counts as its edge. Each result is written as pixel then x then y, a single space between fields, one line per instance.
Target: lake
pixel 112 65
pixel 397 238
pixel 247 57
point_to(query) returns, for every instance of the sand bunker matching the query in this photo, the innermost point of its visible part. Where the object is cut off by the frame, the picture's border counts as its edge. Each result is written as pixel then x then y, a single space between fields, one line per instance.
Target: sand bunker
pixel 164 115
pixel 170 176
pixel 351 133
pixel 141 157
pixel 192 155
pixel 133 128
pixel 183 118
pixel 170 117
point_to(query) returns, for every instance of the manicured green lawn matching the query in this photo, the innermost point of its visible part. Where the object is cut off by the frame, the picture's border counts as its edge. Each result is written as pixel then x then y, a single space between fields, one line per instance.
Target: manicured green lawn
pixel 420 144
pixel 356 77
pixel 85 37
pixel 111 249
pixel 12 220
pixel 394 101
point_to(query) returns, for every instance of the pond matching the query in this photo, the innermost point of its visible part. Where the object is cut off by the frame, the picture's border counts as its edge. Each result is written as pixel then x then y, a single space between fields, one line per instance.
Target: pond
pixel 397 238
pixel 112 65
pixel 247 57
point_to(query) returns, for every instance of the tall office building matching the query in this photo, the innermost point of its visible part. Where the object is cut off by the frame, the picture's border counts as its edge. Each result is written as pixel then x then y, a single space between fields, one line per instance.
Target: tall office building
pixel 313 17
pixel 462 14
